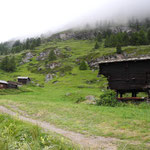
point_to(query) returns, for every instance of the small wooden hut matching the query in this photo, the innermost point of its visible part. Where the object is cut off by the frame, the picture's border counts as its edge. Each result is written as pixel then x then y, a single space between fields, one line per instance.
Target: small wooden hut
pixel 24 80
pixel 3 84
pixel 127 75
pixel 12 84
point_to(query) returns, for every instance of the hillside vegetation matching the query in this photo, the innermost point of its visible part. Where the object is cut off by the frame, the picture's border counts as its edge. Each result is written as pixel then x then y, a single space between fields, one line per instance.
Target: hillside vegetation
pixel 59 91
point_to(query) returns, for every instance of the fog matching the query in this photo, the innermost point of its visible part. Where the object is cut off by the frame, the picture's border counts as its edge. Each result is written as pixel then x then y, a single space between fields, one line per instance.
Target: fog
pixel 23 18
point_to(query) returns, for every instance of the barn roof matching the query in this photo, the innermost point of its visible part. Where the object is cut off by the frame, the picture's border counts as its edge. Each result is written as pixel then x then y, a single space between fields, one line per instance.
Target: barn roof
pixel 23 78
pixel 123 60
pixel 3 82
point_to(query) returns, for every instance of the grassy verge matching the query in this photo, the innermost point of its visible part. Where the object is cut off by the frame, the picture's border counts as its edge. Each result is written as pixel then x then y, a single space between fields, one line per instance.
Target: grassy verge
pixel 15 134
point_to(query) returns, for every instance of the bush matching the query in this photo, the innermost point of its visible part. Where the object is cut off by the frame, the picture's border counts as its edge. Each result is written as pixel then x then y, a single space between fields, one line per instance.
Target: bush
pixel 83 66
pixel 108 98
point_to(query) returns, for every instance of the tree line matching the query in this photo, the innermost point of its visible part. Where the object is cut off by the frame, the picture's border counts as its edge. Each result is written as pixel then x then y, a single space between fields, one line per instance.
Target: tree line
pixel 18 46
pixel 124 39
pixel 8 64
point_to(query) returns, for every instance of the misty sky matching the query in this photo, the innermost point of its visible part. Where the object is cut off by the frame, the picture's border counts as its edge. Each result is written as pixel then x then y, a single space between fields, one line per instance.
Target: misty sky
pixel 21 18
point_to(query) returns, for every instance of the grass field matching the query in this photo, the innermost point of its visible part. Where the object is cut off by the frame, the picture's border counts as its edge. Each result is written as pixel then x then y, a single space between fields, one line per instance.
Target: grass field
pixel 56 101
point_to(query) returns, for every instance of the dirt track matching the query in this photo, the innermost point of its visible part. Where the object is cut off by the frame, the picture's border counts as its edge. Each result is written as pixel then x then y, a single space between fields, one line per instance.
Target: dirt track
pixel 93 142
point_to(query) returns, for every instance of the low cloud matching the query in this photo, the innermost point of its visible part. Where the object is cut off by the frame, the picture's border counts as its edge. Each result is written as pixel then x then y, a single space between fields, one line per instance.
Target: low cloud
pixel 34 17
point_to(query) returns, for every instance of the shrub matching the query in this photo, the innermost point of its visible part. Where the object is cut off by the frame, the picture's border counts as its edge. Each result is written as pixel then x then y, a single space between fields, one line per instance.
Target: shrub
pixel 83 66
pixel 108 98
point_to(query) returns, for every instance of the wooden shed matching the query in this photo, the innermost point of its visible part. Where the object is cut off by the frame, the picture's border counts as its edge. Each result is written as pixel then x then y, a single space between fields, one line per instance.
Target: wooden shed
pixel 127 75
pixel 24 80
pixel 12 84
pixel 3 84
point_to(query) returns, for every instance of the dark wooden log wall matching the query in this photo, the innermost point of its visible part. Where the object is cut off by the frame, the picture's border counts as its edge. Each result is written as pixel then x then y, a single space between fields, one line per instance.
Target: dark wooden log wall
pixel 127 76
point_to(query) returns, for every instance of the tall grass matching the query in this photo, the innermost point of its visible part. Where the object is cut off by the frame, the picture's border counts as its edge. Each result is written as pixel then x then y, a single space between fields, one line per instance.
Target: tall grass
pixel 16 135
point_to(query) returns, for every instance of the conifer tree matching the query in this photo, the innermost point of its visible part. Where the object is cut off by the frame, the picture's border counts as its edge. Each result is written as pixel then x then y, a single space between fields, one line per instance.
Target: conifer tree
pixel 12 64
pixel 99 38
pixel 96 45
pixel 142 38
pixel 148 36
pixel 4 63
pixel 83 66
pixel 52 56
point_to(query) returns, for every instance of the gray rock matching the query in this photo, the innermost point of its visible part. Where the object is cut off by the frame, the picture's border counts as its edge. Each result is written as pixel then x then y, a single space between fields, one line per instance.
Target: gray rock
pixel 63 36
pixel 57 51
pixel 68 94
pixel 49 77
pixel 53 65
pixel 68 48
pixel 27 58
pixel 39 69
pixel 90 97
pixel 42 55
pixel 37 84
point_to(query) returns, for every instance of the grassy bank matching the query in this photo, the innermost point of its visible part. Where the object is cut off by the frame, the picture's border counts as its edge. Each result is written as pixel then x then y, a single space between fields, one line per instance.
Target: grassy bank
pixel 15 134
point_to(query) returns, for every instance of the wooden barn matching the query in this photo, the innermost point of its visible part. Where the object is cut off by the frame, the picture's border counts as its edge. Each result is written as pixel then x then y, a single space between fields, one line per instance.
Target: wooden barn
pixel 3 84
pixel 24 80
pixel 127 75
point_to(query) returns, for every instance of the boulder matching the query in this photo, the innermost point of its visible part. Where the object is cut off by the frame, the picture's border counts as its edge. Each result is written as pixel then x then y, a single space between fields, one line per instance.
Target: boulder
pixel 48 77
pixel 90 97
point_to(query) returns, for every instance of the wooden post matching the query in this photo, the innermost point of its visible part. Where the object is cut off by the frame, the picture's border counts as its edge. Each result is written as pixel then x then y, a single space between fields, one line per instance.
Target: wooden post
pixel 134 94
pixel 121 95
pixel 148 92
pixel 117 93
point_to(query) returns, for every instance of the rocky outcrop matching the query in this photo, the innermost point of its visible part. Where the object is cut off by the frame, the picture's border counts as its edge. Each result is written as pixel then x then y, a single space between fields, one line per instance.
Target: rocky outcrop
pixel 57 51
pixel 42 55
pixel 94 62
pixel 53 65
pixel 80 35
pixel 27 58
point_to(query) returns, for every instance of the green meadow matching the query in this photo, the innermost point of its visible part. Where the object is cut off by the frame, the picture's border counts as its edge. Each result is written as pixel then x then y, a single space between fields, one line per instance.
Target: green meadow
pixel 62 101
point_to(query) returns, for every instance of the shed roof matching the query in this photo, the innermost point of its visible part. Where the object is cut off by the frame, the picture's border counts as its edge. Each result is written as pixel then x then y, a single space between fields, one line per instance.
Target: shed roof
pixel 122 60
pixel 3 82
pixel 14 83
pixel 23 78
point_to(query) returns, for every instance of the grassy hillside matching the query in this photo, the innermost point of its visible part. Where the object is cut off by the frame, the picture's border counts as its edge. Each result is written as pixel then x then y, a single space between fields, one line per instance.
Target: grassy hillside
pixel 56 101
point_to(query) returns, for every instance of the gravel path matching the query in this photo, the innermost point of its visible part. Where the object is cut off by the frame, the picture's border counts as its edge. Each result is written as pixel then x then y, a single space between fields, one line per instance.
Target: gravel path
pixel 92 142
